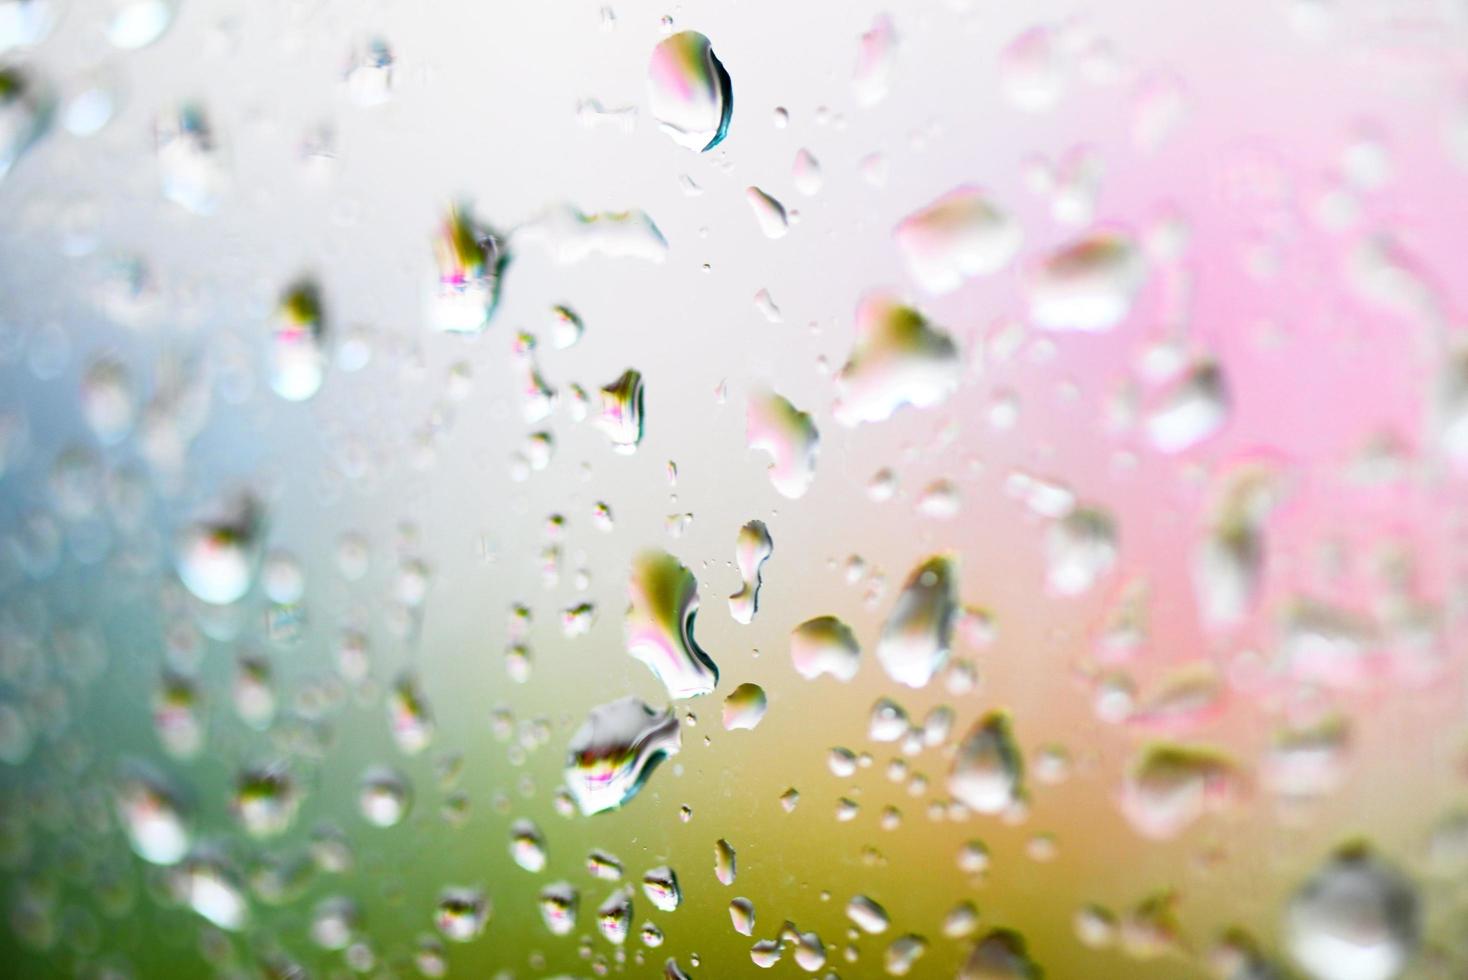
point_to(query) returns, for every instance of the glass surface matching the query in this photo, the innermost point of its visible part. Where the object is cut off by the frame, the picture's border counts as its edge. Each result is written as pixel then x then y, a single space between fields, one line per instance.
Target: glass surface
pixel 951 489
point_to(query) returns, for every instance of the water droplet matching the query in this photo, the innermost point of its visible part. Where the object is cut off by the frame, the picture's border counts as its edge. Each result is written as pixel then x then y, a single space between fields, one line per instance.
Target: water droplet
pixel 659 627
pixel 189 162
pixel 138 23
pixel 725 865
pixel 806 173
pixel 775 426
pixel 689 92
pixel 614 916
pixel 1088 285
pixel 1195 409
pixel 151 815
pixel 1031 71
pixel 869 917
pixel 571 236
pixel 527 846
pixel 465 286
pixel 297 360
pixel 824 645
pixel 217 558
pixel 1079 549
pixel 661 887
pixel 744 708
pixel 898 359
pixel 23 117
pixel 1000 955
pixel 409 715
pixel 768 212
pixel 1170 786
pixel 265 801
pixel 559 904
pixel 614 752
pixel 25 23
pixel 918 634
pixel 960 235
pixel 752 549
pixel 383 797
pixel 741 916
pixel 903 953
pixel 1355 918
pixel 988 771
pixel 620 417
pixel 212 889
pixel 888 721
pixel 369 74
pixel 875 56
pixel 462 913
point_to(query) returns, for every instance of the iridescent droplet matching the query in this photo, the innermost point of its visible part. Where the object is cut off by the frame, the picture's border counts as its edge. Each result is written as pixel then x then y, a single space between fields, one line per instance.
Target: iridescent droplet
pixel 660 885
pixel 663 598
pixel 614 752
pixel 465 286
pixel 689 92
pixel 752 549
pixel 461 913
pixel 620 416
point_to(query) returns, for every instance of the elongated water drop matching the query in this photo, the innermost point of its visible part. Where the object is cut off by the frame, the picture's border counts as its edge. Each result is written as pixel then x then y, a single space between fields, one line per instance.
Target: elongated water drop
pixel 297 359
pixel 689 92
pixel 775 426
pixel 663 598
pixel 620 416
pixel 218 557
pixel 751 551
pixel 465 287
pixel 918 634
pixel 988 771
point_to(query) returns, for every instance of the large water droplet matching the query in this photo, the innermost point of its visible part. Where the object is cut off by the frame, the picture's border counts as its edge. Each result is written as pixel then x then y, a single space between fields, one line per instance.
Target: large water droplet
pixel 462 913
pixel 1171 786
pixel 689 92
pixel 664 601
pixel 1355 918
pixel 615 750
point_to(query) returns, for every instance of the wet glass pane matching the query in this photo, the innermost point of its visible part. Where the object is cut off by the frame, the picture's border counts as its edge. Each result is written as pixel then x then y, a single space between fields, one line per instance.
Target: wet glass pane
pixel 951 489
